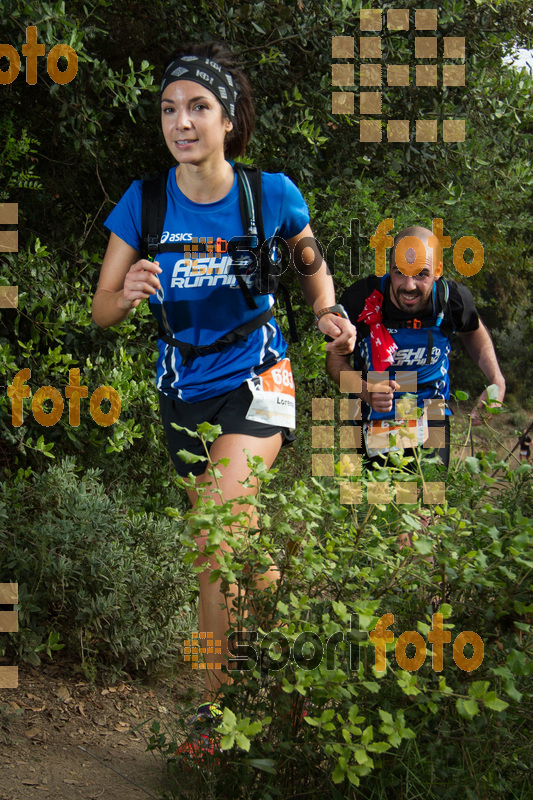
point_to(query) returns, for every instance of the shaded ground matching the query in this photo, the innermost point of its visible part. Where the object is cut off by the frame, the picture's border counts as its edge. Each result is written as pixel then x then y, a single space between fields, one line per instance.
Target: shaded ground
pixel 52 714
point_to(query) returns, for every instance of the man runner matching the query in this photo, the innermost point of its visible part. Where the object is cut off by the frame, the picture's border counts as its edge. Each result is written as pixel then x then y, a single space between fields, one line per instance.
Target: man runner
pixel 404 324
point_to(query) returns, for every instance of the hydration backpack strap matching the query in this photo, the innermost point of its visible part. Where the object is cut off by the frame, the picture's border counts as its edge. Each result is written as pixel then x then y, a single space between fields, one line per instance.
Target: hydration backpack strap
pixel 154 206
pixel 250 241
pixel 443 296
pixel 190 351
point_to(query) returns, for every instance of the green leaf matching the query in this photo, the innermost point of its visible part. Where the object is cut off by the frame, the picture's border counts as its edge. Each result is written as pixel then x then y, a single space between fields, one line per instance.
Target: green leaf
pixel 367 735
pixel 190 458
pixel 228 718
pixel 423 545
pixel 467 708
pixel 472 465
pixel 461 395
pixel 479 689
pixel 227 741
pixel 209 432
pixel 493 392
pixel 264 764
pixel 243 741
pixel 379 747
pixel 492 701
pixel 446 610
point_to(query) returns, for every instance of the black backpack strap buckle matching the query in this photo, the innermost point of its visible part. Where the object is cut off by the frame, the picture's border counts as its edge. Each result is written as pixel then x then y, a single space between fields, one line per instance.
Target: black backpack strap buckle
pixel 188 352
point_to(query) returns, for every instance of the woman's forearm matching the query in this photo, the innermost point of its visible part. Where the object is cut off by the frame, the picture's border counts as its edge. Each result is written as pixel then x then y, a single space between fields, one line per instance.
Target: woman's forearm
pixel 108 308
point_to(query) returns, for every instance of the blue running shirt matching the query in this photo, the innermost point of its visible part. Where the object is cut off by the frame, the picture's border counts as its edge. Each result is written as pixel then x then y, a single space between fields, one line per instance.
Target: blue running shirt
pixel 412 354
pixel 202 299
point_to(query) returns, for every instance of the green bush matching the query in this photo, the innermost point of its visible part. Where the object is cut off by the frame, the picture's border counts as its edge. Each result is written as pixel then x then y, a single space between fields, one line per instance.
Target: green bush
pixel 108 582
pixel 369 734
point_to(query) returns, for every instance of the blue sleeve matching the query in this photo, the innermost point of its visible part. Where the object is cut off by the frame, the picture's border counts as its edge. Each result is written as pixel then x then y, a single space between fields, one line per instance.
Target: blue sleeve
pixel 125 219
pixel 284 210
pixel 294 211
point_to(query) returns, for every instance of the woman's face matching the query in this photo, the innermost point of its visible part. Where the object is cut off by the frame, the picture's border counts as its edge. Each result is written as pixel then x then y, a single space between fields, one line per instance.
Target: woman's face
pixel 193 123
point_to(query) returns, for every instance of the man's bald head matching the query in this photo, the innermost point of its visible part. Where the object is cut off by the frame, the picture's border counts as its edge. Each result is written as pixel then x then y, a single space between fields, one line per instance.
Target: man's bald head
pixel 412 272
pixel 410 254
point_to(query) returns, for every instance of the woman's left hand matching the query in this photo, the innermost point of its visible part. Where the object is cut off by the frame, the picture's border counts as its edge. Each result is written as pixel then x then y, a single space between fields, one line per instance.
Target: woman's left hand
pixel 341 331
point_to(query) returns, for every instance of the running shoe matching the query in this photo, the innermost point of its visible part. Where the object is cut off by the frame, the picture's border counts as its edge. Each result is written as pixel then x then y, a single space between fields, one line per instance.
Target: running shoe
pixel 202 742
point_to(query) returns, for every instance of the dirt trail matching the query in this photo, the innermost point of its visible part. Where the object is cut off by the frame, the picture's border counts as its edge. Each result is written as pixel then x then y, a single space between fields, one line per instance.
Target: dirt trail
pixel 52 713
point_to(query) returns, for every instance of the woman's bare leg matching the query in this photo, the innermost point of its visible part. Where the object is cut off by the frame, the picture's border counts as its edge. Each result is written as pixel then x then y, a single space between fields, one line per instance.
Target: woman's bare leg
pixel 211 617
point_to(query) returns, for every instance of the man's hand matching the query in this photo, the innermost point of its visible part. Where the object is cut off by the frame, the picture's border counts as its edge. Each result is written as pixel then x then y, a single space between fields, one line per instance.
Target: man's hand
pixel 380 401
pixel 341 331
pixel 477 412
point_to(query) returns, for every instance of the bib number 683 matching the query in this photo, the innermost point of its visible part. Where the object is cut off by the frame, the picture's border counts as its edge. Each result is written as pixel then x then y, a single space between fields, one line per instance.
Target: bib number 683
pixel 283 377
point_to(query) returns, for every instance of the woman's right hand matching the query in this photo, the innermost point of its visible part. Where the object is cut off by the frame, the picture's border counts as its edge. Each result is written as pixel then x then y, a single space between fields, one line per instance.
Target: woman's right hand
pixel 141 282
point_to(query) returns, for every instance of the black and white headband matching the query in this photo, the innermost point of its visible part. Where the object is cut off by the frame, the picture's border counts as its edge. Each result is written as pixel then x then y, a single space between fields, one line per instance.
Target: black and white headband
pixel 207 73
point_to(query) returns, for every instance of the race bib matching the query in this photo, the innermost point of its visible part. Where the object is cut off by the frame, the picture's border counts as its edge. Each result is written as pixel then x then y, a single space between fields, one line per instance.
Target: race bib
pixel 385 435
pixel 273 400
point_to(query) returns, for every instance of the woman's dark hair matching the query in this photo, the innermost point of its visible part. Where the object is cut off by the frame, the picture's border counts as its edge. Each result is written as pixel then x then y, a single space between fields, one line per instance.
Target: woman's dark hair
pixel 237 139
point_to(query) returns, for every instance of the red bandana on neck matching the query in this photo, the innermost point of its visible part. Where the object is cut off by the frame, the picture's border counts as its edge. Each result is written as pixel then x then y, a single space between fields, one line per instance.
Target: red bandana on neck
pixel 382 344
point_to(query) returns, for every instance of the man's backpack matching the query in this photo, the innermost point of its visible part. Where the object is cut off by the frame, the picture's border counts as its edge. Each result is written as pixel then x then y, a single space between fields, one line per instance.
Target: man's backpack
pixel 267 269
pixel 441 318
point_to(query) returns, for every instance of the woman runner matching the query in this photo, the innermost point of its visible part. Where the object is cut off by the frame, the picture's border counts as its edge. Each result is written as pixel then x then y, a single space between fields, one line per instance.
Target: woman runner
pixel 207 118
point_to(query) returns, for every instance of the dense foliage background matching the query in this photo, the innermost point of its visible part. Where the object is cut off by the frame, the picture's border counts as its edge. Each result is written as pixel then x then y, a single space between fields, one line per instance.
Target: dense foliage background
pixel 67 153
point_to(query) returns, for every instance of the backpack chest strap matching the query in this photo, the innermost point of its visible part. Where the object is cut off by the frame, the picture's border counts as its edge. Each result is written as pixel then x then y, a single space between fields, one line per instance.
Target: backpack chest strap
pixel 188 351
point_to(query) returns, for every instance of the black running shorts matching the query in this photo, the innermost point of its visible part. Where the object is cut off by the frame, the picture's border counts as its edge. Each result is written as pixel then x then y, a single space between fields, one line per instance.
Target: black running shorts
pixel 227 410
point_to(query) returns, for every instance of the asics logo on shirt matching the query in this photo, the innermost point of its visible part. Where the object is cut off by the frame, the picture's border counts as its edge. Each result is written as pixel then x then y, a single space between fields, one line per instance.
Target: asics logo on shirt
pixel 175 237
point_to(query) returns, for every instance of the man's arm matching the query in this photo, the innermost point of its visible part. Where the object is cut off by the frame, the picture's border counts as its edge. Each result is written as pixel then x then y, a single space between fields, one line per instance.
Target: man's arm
pixel 481 351
pixel 337 363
